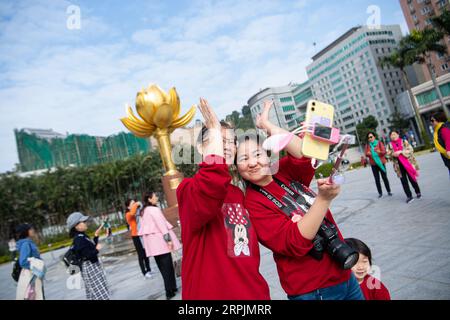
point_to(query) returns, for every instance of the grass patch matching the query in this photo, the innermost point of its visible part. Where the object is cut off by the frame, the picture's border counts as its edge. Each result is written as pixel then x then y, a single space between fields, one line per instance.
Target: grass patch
pixel 59 241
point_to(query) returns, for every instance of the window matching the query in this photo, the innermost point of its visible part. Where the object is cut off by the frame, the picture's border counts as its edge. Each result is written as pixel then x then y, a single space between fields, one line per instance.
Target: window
pixel 286 99
pixel 425 10
pixel 289 116
pixel 441 3
pixel 288 108
pixel 444 66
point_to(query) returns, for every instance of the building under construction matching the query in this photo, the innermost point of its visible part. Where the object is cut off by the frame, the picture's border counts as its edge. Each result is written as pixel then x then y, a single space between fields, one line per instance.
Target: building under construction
pixel 45 148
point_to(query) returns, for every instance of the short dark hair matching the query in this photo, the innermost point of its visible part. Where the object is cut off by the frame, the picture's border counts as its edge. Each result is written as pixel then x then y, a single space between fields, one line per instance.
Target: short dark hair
pixel 127 202
pixel 360 246
pixel 439 116
pixel 394 130
pixel 372 133
pixel 251 137
pixel 203 133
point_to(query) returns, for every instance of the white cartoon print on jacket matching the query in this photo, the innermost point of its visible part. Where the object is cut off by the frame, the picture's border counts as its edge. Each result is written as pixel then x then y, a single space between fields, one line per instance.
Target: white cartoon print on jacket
pixel 237 220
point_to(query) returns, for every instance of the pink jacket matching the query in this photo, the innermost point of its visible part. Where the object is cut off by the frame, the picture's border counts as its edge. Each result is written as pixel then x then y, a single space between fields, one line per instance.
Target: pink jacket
pixel 153 227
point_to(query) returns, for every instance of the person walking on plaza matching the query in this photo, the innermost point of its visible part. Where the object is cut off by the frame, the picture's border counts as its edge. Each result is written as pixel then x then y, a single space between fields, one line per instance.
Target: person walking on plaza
pixel 441 136
pixel 159 241
pixel 87 250
pixel 371 287
pixel 12 245
pixel 220 249
pixel 30 284
pixel 107 226
pixel 376 151
pixel 312 260
pixel 405 164
pixel 134 209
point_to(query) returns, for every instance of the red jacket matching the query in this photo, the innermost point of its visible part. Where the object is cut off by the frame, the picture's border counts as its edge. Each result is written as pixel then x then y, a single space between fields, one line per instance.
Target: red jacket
pixel 220 247
pixel 380 149
pixel 299 272
pixel 377 289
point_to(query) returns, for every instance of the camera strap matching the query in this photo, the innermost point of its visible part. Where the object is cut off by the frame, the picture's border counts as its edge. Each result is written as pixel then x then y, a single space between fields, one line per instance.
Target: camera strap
pixel 296 196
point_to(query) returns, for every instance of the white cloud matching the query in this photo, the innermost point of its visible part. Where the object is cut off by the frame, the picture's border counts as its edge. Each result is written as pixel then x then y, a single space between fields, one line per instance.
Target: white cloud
pixel 79 81
pixel 147 37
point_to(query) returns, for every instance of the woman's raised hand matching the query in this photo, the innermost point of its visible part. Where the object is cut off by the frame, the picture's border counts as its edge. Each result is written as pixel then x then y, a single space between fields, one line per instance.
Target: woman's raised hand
pixel 213 144
pixel 211 120
pixel 327 191
pixel 262 119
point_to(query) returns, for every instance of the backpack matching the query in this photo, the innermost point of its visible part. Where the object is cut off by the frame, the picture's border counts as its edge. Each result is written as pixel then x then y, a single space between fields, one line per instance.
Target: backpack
pixel 72 261
pixel 17 269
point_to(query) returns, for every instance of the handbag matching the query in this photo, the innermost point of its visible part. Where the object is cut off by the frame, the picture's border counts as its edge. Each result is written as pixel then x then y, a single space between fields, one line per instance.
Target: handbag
pixel 17 269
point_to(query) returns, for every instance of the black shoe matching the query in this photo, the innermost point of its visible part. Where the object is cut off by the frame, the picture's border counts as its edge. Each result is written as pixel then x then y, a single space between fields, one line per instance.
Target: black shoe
pixel 419 195
pixel 170 295
pixel 380 195
pixel 409 200
pixel 390 194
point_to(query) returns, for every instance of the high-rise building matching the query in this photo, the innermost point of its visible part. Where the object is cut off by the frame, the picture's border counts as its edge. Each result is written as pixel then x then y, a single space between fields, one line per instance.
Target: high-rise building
pixel 289 104
pixel 418 14
pixel 347 74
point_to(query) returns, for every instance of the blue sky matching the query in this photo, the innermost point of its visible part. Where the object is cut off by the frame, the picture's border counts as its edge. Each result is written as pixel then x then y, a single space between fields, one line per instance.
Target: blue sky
pixel 78 81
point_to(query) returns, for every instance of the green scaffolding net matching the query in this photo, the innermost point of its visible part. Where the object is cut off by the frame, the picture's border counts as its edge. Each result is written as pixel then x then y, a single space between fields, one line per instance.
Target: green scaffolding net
pixel 45 149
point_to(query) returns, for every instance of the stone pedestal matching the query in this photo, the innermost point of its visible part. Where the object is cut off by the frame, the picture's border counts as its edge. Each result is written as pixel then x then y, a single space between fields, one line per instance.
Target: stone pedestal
pixel 170 184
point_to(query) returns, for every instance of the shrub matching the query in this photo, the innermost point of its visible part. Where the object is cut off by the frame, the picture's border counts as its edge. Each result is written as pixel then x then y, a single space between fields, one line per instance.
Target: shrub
pixel 324 170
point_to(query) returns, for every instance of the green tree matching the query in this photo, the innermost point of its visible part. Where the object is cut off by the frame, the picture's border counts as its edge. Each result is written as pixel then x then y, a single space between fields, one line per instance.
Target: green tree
pixel 419 47
pixel 397 121
pixel 241 120
pixel 442 22
pixel 369 123
pixel 400 59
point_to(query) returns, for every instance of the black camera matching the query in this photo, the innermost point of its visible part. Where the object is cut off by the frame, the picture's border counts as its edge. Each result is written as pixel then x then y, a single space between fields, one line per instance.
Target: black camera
pixel 327 238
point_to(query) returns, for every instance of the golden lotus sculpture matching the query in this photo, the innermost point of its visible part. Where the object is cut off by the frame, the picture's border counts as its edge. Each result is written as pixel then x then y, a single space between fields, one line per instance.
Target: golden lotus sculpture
pixel 159 112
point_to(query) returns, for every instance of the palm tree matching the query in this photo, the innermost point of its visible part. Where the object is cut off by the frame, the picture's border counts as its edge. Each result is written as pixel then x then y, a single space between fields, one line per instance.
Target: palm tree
pixel 398 60
pixel 419 46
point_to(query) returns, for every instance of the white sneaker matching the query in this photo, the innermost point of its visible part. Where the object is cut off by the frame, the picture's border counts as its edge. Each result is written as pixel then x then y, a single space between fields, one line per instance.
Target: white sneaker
pixel 148 275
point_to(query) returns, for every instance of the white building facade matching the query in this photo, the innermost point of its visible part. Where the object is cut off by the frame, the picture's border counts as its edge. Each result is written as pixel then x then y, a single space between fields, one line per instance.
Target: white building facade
pixel 289 104
pixel 347 75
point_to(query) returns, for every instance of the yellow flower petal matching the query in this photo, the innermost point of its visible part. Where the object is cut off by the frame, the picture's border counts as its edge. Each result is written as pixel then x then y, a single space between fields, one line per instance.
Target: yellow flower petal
pixel 163 116
pixel 145 107
pixel 184 120
pixel 175 102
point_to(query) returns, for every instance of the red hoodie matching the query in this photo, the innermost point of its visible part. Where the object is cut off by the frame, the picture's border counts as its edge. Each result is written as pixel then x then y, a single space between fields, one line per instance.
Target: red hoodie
pixel 374 289
pixel 299 272
pixel 220 247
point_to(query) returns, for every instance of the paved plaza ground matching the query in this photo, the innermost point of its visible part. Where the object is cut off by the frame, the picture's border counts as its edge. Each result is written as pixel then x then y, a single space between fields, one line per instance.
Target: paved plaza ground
pixel 410 242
